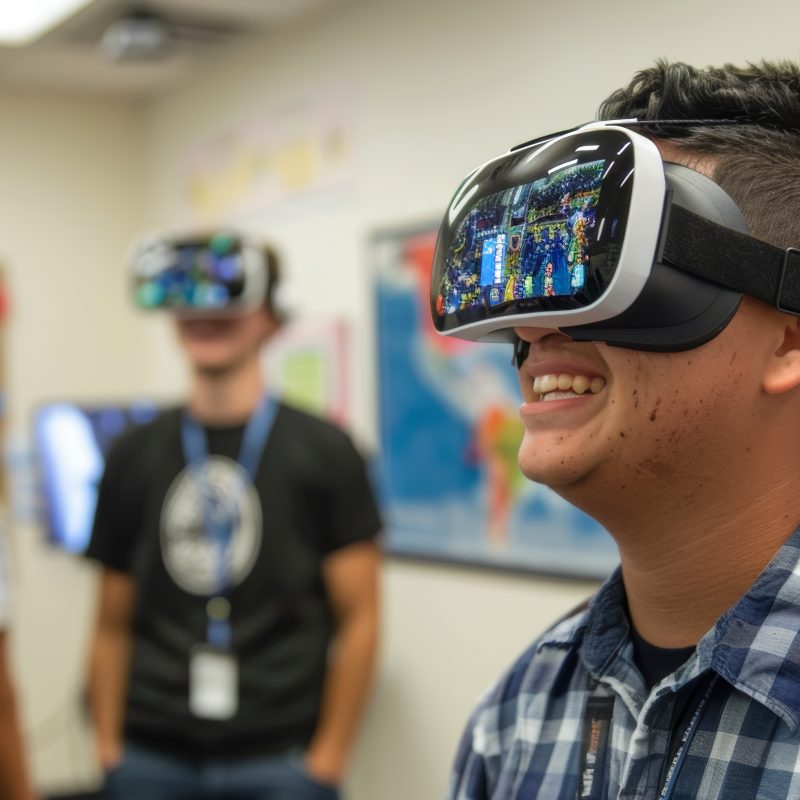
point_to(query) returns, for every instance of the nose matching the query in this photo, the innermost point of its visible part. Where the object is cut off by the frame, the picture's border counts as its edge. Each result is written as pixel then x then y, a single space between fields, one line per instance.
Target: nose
pixel 525 337
pixel 533 335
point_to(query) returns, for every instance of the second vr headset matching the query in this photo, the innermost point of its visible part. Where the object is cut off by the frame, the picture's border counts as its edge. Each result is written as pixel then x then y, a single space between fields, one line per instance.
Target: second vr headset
pixel 589 232
pixel 223 274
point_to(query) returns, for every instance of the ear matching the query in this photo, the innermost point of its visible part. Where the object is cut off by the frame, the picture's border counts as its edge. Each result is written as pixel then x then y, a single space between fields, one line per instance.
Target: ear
pixel 270 324
pixel 782 373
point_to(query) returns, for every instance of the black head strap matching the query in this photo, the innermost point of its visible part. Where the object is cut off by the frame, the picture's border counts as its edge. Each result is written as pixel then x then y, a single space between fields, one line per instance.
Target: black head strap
pixel 734 260
pixel 719 255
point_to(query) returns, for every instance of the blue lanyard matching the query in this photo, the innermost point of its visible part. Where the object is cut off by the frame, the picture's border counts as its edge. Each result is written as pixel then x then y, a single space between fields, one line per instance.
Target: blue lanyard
pixel 686 740
pixel 218 524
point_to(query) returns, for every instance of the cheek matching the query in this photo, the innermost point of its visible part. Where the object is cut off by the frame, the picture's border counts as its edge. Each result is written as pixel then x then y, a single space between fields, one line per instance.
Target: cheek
pixel 684 405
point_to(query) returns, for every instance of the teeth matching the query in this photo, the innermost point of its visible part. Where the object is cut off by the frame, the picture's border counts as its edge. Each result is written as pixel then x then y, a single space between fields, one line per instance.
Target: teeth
pixel 558 396
pixel 564 382
pixel 597 385
pixel 559 387
pixel 545 384
pixel 581 384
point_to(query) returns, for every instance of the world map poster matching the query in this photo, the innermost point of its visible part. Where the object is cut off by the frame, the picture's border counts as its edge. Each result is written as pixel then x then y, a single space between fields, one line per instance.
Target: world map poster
pixel 449 435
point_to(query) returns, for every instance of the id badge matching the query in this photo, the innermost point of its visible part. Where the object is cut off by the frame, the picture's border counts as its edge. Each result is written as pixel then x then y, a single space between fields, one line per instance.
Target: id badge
pixel 213 683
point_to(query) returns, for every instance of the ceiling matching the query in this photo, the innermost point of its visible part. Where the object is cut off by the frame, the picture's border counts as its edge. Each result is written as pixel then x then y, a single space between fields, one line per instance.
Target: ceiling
pixel 68 58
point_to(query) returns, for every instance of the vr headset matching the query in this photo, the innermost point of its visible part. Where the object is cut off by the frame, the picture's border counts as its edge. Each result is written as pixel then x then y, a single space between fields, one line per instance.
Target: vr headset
pixel 589 232
pixel 218 275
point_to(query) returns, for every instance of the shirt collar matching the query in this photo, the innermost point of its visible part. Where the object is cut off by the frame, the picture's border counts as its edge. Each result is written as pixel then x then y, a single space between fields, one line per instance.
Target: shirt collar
pixel 755 646
pixel 602 626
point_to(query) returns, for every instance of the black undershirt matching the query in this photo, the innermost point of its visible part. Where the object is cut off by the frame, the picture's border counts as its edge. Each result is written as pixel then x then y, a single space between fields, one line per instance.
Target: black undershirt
pixel 655 663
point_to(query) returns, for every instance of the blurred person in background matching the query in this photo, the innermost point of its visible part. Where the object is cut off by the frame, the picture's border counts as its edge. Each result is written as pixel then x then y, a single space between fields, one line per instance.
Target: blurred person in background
pixel 14 779
pixel 238 605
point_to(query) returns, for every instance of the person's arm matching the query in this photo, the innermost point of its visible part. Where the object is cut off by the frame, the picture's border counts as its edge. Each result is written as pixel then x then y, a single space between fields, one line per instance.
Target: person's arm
pixel 109 661
pixel 351 578
pixel 14 779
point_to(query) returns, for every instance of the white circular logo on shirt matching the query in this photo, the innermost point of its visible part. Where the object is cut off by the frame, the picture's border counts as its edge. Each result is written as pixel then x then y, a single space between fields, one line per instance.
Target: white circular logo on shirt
pixel 190 556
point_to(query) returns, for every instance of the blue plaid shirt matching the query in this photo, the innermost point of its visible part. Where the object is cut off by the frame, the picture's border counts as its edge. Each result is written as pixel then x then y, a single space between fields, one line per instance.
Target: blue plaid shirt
pixel 524 740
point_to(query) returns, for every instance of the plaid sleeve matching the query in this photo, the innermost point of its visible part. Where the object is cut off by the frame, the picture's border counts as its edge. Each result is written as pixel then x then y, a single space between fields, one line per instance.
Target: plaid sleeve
pixel 487 738
pixel 469 780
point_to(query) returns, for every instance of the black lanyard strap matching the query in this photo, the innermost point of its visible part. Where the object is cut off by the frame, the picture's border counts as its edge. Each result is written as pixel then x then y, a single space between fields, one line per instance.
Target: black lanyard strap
pixel 596 731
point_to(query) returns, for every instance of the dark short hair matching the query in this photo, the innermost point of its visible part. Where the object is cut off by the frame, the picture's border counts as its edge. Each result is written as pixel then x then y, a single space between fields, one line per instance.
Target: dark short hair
pixel 756 159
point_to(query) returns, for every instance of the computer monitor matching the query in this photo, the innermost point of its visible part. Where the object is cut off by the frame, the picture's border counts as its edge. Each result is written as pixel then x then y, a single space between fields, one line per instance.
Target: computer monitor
pixel 71 443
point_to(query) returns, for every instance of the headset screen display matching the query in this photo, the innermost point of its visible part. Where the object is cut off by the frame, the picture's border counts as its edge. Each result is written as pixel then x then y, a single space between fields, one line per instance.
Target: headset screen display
pixel 525 242
pixel 206 275
pixel 534 230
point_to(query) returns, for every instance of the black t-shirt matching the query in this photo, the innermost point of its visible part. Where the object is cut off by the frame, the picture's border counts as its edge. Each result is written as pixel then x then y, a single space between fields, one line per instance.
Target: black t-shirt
pixel 311 497
pixel 654 662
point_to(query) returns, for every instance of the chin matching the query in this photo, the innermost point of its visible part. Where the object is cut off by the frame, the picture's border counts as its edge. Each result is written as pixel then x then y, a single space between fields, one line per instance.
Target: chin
pixel 588 487
pixel 557 478
pixel 214 366
pixel 210 364
pixel 560 471
pixel 208 355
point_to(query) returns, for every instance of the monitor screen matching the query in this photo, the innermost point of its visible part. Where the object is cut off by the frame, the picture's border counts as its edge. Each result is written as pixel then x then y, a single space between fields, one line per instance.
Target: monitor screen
pixel 71 444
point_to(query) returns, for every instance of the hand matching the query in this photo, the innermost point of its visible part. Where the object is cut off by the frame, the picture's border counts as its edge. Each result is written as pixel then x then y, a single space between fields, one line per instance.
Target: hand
pixel 324 768
pixel 109 754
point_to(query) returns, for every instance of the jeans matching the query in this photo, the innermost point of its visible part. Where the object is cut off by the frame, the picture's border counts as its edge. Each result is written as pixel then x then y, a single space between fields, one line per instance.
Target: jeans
pixel 148 775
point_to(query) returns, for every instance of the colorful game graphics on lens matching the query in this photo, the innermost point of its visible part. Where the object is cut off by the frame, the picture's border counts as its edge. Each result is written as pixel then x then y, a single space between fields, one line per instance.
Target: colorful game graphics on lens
pixel 218 274
pixel 525 242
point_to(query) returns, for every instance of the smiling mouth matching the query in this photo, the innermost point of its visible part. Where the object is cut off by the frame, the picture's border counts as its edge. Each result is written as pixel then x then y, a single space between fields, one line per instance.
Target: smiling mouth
pixel 565 387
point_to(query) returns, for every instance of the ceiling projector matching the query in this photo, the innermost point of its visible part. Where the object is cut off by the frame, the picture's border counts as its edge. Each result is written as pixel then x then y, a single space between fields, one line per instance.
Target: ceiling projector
pixel 137 37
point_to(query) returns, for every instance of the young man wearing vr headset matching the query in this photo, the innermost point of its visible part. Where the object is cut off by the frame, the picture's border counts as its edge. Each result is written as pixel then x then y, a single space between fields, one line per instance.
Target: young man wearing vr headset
pixel 661 394
pixel 237 618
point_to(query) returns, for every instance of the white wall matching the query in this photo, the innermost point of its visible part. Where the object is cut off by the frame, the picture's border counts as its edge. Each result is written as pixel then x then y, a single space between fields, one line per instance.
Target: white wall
pixel 437 88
